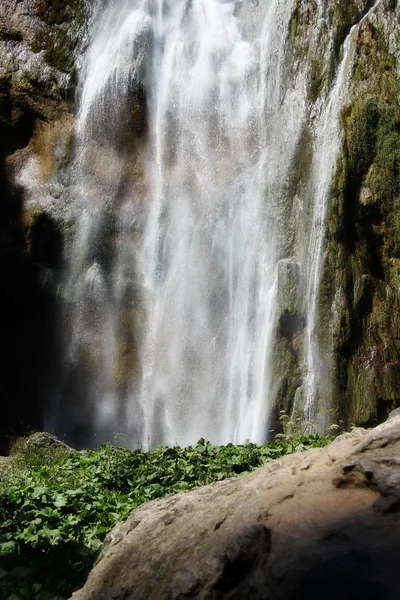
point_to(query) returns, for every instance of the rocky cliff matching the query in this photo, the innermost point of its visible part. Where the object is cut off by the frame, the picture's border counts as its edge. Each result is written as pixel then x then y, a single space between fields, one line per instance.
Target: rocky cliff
pixel 357 325
pixel 38 44
pixel 360 285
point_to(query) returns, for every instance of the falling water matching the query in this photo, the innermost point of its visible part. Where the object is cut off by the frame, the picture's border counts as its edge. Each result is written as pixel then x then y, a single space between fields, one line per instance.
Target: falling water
pixel 172 280
pixel 209 251
pixel 189 119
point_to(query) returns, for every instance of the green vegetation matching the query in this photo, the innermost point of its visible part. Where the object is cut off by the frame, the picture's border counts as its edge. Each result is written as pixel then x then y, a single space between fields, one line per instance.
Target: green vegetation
pixel 58 38
pixel 57 505
pixel 343 15
pixel 66 158
pixel 317 80
pixel 300 29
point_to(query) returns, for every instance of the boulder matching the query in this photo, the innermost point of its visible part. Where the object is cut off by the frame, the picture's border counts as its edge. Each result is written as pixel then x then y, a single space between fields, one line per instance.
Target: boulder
pixel 41 440
pixel 323 524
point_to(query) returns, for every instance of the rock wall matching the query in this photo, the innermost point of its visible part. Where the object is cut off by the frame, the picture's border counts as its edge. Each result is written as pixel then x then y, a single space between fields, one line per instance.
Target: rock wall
pixel 38 43
pixel 359 292
pixel 357 326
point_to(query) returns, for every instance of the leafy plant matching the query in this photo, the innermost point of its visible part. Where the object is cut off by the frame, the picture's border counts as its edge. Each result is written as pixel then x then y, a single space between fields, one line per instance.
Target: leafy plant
pixel 56 506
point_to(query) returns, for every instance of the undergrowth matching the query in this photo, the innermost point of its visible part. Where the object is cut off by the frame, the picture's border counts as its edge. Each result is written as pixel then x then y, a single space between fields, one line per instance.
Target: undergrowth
pixel 56 506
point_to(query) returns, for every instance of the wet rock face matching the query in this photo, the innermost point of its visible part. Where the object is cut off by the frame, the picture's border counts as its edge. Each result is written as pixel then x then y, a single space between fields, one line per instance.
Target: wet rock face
pixel 359 294
pixel 33 110
pixel 322 524
pixel 357 333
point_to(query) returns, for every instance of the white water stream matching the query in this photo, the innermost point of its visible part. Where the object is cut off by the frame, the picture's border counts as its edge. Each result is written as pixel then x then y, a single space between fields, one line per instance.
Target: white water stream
pixel 172 285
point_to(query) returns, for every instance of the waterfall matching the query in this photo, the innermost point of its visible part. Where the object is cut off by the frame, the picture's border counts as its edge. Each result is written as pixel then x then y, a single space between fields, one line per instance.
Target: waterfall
pixel 209 252
pixel 327 145
pixel 189 119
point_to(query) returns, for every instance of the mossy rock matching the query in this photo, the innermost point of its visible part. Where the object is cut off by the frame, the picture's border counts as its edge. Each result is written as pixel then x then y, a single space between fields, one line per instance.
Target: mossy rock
pixel 360 121
pixel 59 38
pixel 58 48
pixel 360 282
pixel 56 12
pixel 317 79
pixel 40 440
pixel 343 15
pixel 375 68
pixel 300 29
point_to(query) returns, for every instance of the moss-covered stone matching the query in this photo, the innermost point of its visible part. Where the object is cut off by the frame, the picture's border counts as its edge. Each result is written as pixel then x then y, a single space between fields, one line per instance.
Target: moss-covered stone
pixel 58 48
pixel 300 32
pixel 56 12
pixel 360 284
pixel 287 376
pixel 343 15
pixel 288 296
pixel 317 79
pixel 58 38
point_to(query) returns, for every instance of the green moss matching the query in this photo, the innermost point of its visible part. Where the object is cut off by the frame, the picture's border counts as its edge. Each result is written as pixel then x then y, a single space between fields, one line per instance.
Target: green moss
pixel 375 68
pixel 294 23
pixel 57 41
pixel 68 151
pixel 360 281
pixel 343 16
pixel 301 165
pixel 300 30
pixel 56 12
pixel 57 53
pixel 316 79
pixel 360 122
pixel 287 375
pixel 58 48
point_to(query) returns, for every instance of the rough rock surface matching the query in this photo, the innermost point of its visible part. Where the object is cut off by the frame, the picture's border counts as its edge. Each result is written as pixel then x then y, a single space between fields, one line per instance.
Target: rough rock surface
pixel 320 524
pixel 357 328
pixel 42 440
pixel 36 79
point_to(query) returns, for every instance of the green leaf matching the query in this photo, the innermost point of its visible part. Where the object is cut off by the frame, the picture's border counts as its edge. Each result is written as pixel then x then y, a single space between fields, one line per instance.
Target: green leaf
pixel 21 572
pixel 38 491
pixel 8 547
pixel 60 500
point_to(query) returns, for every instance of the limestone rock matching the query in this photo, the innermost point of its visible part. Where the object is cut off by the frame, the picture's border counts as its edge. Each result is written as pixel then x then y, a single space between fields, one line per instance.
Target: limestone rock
pixel 321 524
